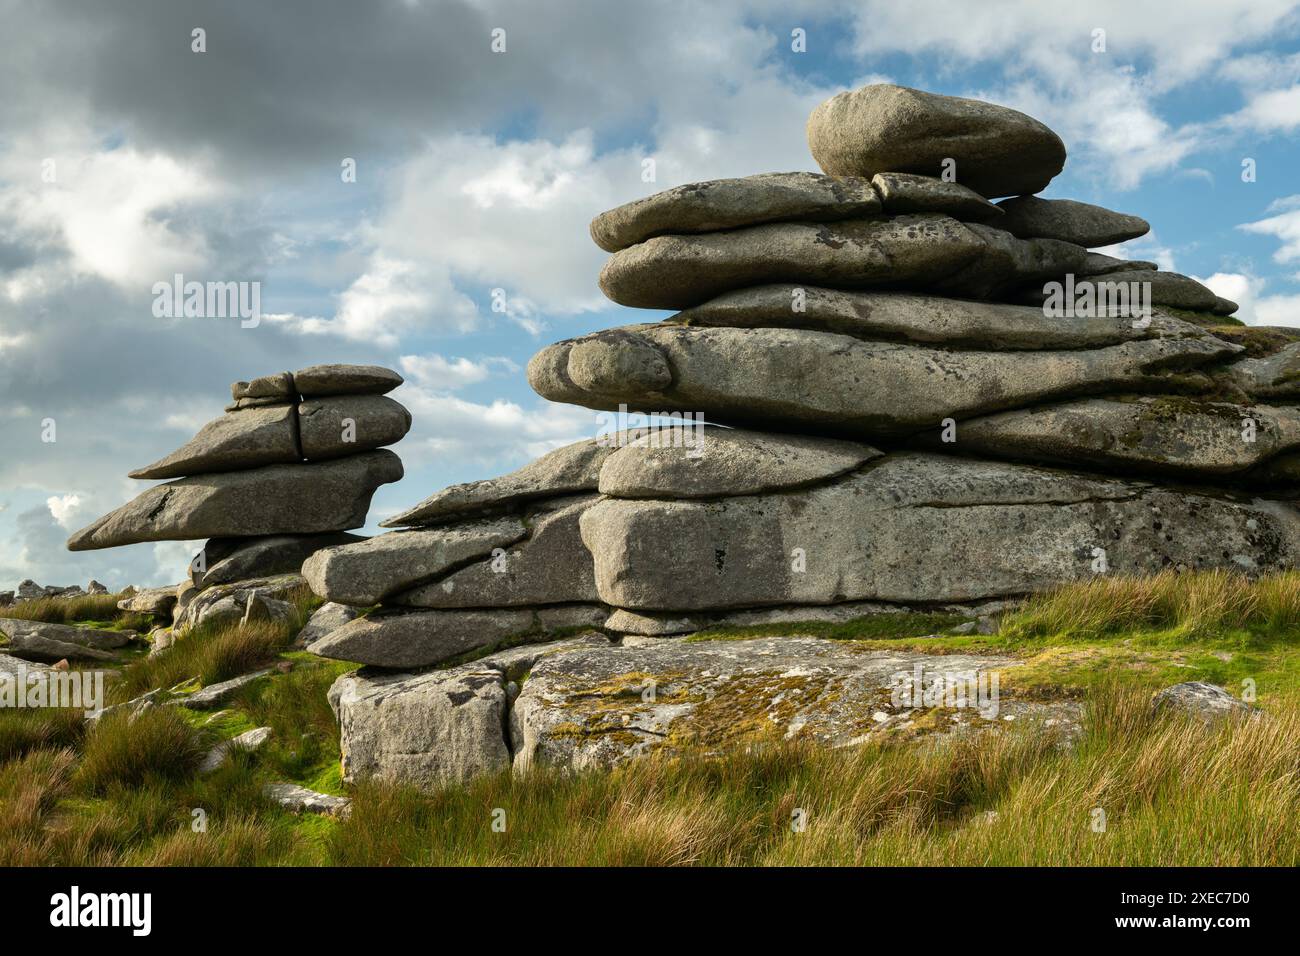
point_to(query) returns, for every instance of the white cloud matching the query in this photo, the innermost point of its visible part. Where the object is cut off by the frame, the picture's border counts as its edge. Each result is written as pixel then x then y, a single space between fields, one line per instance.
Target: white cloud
pixel 1285 226
pixel 496 434
pixel 65 509
pixel 1148 248
pixel 442 374
pixel 1271 111
pixel 112 211
pixel 1278 310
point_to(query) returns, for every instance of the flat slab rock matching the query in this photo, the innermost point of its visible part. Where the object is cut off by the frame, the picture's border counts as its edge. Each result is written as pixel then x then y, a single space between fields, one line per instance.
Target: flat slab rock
pixel 214 695
pixel 157 601
pixel 298 799
pixel 1144 434
pixel 881 127
pixel 250 740
pixel 1165 288
pixel 317 380
pixel 11 667
pixel 729 203
pixel 797 379
pixel 596 707
pixel 422 638
pixel 924 251
pixel 97 638
pixel 327 618
pixel 368 571
pixel 274 499
pixel 919 528
pixel 568 470
pixel 550 566
pixel 907 192
pixel 1270 376
pixel 913 317
pixel 50 643
pixel 723 461
pixel 1029 217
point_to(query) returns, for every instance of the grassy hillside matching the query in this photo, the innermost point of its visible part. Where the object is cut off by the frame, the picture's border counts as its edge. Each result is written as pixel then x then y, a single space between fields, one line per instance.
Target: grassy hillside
pixel 1169 790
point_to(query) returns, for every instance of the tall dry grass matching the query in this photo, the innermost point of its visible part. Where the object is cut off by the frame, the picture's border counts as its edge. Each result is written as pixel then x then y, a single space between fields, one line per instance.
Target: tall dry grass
pixel 1197 604
pixel 86 607
pixel 1172 792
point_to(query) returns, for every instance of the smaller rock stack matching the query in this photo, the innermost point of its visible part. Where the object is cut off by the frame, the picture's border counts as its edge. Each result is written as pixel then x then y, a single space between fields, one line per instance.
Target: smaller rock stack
pixel 287 470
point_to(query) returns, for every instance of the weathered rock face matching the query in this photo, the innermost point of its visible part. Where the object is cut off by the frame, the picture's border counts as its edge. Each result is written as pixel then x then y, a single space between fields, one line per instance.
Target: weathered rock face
pixel 321 380
pixel 345 425
pixel 886 128
pixel 1100 264
pixel 248 438
pixel 1205 702
pixel 1029 217
pixel 883 305
pixel 1272 376
pixel 595 707
pixel 227 560
pixel 317 429
pixel 158 601
pixel 274 499
pixel 46 642
pixel 1166 288
pixel 550 566
pixel 569 470
pixel 99 639
pixel 910 251
pixel 423 638
pixel 909 317
pixel 1005 530
pixel 795 379
pixel 326 619
pixel 278 386
pixel 255 598
pixel 367 572
pixel 1149 435
pixel 433 728
pixel 726 462
pixel 729 203
pixel 906 192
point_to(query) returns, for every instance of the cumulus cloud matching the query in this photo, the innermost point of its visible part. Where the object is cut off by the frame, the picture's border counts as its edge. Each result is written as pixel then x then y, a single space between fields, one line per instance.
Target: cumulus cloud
pixel 1285 226
pixel 1271 111
pixel 442 374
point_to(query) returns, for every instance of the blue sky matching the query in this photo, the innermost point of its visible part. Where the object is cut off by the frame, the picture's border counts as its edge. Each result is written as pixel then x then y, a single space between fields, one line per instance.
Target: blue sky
pixel 479 170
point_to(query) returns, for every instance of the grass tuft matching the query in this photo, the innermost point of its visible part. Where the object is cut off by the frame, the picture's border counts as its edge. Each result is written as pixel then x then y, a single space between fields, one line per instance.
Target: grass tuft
pixel 157 744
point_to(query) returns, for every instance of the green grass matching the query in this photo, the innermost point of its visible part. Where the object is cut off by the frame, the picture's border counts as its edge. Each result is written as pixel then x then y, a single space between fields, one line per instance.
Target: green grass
pixel 1174 792
pixel 875 627
pixel 1204 319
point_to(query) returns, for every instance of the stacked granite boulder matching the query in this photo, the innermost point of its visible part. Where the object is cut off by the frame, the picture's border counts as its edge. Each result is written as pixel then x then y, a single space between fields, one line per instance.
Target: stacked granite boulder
pixel 288 469
pixel 904 412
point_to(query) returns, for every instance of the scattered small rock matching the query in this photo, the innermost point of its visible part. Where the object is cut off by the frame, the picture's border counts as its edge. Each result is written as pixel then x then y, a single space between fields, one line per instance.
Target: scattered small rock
pixel 1203 701
pixel 217 694
pixel 298 799
pixel 249 740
